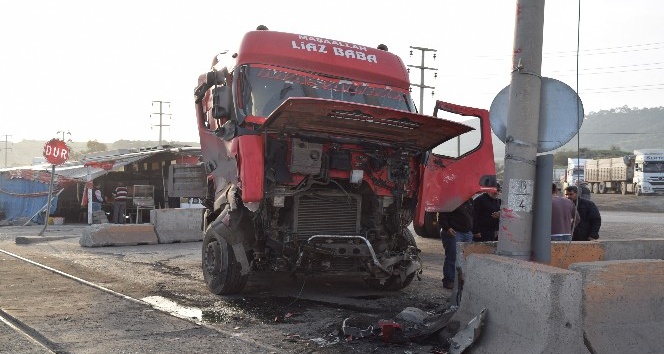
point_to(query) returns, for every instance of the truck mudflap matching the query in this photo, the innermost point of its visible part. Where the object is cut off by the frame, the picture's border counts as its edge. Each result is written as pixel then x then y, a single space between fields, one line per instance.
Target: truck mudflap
pixel 379 267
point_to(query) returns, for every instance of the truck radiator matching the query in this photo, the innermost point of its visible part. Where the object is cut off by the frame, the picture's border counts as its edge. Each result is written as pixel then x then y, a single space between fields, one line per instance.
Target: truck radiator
pixel 326 214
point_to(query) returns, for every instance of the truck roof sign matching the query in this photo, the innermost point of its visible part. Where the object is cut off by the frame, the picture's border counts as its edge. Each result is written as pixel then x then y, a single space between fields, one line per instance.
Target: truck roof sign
pixel 323 56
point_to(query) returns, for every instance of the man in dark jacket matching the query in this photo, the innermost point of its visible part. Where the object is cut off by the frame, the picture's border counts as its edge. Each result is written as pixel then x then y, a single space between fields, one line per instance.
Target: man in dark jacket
pixel 456 226
pixel 486 215
pixel 588 227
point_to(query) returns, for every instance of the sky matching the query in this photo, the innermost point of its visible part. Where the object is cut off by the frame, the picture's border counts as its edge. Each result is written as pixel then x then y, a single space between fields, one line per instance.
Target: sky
pixel 93 68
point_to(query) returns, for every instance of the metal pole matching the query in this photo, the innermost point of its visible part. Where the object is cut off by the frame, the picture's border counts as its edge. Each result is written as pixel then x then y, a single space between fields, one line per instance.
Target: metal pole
pixel 515 233
pixel 161 115
pixel 6 148
pixel 47 212
pixel 543 206
pixel 421 85
pixel 89 191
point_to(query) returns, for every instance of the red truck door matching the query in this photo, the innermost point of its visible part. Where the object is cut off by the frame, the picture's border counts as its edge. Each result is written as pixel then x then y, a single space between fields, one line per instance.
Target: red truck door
pixel 448 181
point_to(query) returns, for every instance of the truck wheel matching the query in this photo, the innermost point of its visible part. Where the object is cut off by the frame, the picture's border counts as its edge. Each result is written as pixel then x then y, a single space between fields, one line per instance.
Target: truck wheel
pixel 221 270
pixel 595 188
pixel 623 188
pixel 420 230
pixel 602 188
pixel 394 282
pixel 637 190
pixel 430 229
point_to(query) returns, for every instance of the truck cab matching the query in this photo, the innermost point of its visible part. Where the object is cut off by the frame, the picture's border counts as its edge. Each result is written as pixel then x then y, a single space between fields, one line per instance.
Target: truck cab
pixel 649 171
pixel 317 161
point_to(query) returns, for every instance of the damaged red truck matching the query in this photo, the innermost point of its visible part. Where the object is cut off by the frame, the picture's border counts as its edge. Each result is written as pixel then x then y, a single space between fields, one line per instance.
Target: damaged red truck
pixel 317 161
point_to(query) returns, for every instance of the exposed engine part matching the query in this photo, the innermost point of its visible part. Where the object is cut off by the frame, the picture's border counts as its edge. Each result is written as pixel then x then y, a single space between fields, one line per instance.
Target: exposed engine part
pixel 306 157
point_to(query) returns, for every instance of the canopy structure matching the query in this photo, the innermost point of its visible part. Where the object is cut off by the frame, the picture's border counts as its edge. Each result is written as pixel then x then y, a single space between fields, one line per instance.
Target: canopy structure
pixel 24 190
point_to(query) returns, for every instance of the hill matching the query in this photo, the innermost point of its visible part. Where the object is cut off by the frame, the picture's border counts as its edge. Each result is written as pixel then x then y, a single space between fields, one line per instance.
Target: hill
pixel 621 128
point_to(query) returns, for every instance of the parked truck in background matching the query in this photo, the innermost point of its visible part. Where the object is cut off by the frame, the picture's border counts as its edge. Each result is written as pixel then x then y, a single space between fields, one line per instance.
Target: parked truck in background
pixel 317 162
pixel 575 172
pixel 640 173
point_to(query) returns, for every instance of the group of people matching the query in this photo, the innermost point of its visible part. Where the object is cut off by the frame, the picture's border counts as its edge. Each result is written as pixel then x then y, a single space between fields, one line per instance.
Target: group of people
pixel 573 218
pixel 119 197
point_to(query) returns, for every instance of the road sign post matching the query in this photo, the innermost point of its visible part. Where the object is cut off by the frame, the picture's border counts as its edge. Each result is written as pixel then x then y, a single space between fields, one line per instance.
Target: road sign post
pixel 56 152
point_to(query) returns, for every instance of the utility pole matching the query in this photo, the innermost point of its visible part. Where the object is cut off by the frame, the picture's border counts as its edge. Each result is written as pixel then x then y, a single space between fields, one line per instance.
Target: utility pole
pixel 421 85
pixel 63 135
pixel 6 148
pixel 161 114
pixel 516 217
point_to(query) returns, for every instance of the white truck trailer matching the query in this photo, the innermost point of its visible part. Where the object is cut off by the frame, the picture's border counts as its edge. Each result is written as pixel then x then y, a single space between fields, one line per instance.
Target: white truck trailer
pixel 640 173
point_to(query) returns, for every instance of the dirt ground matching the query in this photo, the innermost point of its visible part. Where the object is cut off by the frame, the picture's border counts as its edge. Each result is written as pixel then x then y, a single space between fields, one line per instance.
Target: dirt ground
pixel 629 203
pixel 295 315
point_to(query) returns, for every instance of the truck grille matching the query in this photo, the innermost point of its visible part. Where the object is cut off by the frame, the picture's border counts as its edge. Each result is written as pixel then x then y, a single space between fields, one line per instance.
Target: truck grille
pixel 326 214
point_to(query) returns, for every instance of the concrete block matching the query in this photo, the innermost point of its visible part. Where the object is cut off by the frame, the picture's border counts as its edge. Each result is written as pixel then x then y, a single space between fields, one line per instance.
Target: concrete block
pixel 623 305
pixel 633 249
pixel 99 235
pixel 178 225
pixel 531 308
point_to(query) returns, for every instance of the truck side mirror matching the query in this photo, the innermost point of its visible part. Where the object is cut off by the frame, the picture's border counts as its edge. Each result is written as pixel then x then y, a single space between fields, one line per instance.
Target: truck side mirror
pixel 221 102
pixel 216 77
pixel 227 131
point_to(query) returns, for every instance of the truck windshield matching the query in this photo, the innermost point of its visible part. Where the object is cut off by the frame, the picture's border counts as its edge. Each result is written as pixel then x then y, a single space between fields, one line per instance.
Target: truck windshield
pixel 265 88
pixel 653 167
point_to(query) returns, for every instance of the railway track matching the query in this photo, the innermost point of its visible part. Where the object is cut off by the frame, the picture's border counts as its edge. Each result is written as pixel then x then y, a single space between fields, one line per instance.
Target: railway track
pixel 40 314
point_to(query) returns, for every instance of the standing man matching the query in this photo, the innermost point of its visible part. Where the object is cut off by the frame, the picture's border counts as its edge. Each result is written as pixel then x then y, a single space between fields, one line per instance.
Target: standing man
pixel 119 204
pixel 456 226
pixel 563 215
pixel 486 215
pixel 97 198
pixel 588 228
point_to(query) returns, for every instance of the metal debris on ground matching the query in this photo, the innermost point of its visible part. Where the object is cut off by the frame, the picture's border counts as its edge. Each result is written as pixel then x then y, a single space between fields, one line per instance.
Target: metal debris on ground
pixel 469 334
pixel 351 333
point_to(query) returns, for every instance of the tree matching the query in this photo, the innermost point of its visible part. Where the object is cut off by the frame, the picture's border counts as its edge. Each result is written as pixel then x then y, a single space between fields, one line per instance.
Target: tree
pixel 95 146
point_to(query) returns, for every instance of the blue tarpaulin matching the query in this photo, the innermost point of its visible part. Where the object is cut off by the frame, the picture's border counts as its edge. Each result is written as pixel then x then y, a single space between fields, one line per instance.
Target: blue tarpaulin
pixel 24 198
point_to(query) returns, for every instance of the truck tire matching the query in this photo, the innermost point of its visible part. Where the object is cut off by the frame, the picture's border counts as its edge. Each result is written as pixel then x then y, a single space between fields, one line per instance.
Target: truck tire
pixel 595 188
pixel 394 282
pixel 217 254
pixel 602 187
pixel 623 188
pixel 430 229
pixel 637 190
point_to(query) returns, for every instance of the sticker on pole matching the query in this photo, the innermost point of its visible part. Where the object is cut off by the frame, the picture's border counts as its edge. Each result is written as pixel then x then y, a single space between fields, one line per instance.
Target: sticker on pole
pixel 56 152
pixel 520 195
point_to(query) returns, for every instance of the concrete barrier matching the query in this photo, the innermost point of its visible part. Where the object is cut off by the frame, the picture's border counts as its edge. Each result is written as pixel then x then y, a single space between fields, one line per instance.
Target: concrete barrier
pixel 99 235
pixel 178 225
pixel 531 308
pixel 651 248
pixel 623 305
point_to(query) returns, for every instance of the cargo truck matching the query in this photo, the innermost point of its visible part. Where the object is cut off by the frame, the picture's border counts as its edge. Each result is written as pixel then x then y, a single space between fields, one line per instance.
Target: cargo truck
pixel 640 173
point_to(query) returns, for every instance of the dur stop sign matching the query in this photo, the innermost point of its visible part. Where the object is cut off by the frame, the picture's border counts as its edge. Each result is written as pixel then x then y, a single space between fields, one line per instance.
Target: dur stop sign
pixel 56 152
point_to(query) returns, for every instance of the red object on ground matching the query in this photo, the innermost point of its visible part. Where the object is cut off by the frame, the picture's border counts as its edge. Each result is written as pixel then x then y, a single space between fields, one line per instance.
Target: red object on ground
pixel 387 329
